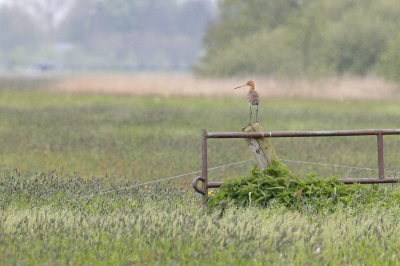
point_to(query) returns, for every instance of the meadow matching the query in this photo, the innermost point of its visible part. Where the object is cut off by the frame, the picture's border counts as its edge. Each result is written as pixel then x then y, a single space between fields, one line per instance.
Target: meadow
pixel 72 164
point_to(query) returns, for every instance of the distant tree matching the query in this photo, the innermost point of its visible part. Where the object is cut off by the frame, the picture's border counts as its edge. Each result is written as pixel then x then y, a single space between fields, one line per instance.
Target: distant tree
pixel 47 13
pixel 85 19
pixel 20 37
pixel 298 38
pixel 358 33
pixel 17 29
pixel 126 15
pixel 254 37
pixel 240 19
pixel 194 17
pixel 388 64
pixel 142 34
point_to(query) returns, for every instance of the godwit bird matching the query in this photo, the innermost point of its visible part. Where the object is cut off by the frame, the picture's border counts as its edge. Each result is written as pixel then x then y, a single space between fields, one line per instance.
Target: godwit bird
pixel 252 98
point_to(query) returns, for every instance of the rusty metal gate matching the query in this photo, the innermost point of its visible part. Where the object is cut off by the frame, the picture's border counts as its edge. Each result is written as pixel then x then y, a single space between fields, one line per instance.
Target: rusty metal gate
pixel 285 134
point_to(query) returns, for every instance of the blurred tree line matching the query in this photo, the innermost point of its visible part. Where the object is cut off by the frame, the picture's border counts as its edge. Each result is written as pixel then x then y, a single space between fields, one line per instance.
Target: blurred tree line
pixel 104 34
pixel 297 38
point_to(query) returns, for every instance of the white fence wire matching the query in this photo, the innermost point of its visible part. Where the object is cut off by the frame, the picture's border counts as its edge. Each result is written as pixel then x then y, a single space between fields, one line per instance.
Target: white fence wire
pixel 172 177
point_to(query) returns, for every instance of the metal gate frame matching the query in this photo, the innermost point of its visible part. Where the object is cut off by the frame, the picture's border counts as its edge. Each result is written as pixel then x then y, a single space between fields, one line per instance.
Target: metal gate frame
pixel 285 134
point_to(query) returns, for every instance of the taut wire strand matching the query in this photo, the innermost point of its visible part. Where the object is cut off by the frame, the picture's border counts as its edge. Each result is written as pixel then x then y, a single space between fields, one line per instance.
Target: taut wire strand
pixel 137 185
pixel 172 177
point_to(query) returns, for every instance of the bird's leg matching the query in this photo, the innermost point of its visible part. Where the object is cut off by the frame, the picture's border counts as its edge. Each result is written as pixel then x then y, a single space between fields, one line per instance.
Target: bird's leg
pixel 250 115
pixel 257 114
pixel 250 118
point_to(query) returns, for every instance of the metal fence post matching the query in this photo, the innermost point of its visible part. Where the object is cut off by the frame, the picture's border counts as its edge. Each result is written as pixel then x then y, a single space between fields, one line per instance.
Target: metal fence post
pixel 381 165
pixel 204 173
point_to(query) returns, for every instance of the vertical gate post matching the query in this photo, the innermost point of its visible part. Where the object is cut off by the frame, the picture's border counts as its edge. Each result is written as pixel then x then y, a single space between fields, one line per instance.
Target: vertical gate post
pixel 381 165
pixel 204 173
pixel 260 147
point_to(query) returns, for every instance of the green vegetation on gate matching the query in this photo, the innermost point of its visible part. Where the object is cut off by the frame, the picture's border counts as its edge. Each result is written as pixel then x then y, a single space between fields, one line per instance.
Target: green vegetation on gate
pixel 279 185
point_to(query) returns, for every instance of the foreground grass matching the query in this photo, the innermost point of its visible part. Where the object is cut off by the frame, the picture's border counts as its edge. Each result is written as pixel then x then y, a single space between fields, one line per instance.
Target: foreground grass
pixel 164 225
pixel 158 235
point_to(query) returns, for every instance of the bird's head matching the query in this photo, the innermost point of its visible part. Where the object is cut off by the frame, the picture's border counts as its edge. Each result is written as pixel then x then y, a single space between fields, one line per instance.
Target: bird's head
pixel 249 83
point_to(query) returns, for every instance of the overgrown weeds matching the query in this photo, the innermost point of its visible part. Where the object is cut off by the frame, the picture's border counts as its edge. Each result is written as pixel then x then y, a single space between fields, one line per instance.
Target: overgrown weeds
pixel 280 186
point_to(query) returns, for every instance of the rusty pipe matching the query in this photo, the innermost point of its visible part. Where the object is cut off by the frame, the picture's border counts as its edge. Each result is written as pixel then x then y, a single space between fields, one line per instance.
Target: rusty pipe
pixel 345 181
pixel 370 180
pixel 197 179
pixel 381 165
pixel 204 170
pixel 284 134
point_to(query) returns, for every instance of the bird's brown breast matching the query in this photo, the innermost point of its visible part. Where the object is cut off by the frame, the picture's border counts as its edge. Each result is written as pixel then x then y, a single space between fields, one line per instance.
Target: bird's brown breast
pixel 253 97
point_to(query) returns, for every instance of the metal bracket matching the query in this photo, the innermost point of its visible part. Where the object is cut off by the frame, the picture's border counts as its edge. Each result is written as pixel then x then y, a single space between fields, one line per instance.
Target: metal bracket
pixel 202 179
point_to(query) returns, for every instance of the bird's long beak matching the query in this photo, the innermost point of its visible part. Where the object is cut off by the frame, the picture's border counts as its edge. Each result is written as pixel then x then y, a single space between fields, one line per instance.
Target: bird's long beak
pixel 240 86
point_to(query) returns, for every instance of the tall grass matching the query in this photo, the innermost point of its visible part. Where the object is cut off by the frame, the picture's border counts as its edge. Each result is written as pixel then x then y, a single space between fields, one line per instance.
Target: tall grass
pixel 65 159
pixel 164 225
pixel 150 138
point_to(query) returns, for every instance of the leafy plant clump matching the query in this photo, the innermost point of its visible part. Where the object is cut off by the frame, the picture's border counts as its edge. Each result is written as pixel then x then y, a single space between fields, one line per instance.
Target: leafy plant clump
pixel 279 185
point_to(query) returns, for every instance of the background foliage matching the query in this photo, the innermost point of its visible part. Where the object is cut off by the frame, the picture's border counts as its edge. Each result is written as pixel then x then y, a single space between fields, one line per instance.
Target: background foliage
pixel 283 39
pixel 103 35
pixel 303 38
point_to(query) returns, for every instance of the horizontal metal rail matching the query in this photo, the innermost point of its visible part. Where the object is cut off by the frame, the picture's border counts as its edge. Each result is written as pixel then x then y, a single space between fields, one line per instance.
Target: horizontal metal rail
pixel 347 181
pixel 283 134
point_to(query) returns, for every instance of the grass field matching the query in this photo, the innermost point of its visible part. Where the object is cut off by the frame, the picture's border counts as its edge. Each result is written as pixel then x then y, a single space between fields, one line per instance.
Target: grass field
pixel 58 146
